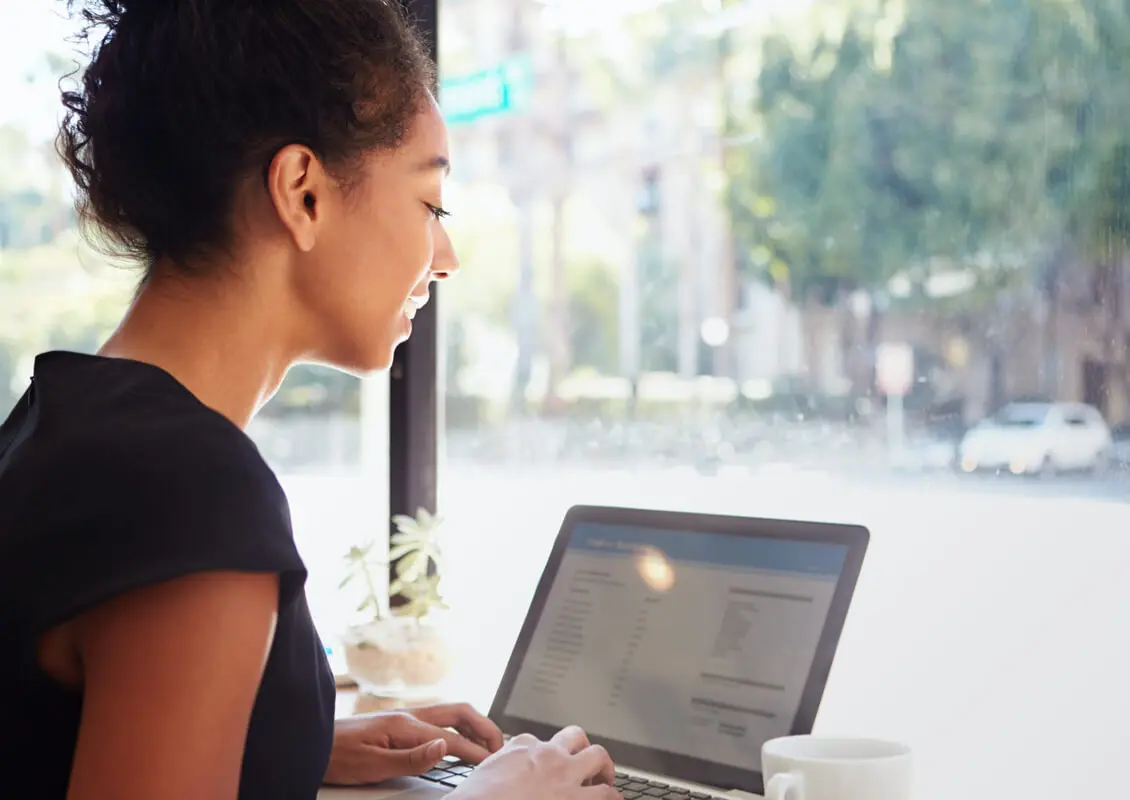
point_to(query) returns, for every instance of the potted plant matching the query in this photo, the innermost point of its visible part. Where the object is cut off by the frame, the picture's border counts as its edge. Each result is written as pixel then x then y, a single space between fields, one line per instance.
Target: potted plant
pixel 399 651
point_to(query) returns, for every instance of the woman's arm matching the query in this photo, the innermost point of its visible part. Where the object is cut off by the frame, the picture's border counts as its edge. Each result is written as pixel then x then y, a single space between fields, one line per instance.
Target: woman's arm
pixel 170 675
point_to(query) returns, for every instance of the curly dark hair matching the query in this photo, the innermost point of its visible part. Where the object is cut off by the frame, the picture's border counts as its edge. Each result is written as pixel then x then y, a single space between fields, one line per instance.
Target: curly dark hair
pixel 185 99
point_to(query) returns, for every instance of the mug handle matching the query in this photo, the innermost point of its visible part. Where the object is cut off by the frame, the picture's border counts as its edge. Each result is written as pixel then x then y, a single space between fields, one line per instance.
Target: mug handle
pixel 785 784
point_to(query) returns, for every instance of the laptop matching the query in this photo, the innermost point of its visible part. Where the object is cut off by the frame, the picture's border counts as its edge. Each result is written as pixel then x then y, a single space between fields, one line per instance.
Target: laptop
pixel 680 642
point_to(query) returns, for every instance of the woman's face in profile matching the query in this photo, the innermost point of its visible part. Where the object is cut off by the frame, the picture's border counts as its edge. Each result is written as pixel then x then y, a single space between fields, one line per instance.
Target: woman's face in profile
pixel 381 244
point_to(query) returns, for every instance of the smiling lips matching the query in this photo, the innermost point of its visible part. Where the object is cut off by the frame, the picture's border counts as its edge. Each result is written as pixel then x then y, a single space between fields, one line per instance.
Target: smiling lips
pixel 413 304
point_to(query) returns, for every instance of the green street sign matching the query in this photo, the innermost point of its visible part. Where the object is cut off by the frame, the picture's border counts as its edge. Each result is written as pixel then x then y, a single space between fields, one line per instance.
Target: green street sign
pixel 502 89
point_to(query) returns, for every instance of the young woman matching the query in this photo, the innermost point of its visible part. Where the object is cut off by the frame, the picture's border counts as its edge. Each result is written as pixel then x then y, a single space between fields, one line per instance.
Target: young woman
pixel 278 167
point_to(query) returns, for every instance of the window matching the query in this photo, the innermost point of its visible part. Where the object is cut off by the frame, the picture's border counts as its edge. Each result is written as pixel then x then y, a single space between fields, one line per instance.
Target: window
pixel 782 259
pixel 54 292
pixel 326 436
pixel 324 433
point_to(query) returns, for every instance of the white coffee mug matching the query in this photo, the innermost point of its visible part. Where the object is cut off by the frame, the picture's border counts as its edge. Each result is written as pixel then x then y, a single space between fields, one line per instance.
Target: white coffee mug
pixel 824 768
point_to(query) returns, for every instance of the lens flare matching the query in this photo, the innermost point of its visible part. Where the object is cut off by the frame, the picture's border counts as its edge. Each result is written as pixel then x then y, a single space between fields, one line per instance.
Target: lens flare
pixel 655 569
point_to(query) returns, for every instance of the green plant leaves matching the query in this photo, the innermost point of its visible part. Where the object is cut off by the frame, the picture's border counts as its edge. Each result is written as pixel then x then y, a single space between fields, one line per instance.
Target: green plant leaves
pixel 423 597
pixel 414 549
pixel 361 563
pixel 370 603
pixel 410 565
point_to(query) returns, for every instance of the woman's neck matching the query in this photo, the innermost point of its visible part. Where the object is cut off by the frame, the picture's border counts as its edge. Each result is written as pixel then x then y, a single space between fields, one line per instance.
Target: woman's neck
pixel 226 343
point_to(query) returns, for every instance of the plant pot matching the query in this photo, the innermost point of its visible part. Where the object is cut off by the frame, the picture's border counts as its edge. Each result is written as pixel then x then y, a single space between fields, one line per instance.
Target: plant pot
pixel 397 657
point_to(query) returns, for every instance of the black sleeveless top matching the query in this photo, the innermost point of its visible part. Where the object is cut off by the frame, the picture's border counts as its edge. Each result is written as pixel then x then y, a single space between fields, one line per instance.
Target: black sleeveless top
pixel 113 476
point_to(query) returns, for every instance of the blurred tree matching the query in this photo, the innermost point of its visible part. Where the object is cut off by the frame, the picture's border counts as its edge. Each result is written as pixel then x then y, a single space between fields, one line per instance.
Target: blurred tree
pixel 931 137
pixel 1088 173
pixel 593 293
pixel 842 176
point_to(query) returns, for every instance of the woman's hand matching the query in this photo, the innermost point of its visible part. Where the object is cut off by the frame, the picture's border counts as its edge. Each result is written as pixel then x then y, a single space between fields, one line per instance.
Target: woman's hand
pixel 376 747
pixel 567 767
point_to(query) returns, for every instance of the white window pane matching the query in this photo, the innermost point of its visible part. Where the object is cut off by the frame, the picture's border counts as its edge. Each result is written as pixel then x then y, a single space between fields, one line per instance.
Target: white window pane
pixel 766 239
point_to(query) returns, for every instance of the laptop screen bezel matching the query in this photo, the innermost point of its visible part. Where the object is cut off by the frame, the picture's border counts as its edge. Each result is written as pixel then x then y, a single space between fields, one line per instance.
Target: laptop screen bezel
pixel 687 768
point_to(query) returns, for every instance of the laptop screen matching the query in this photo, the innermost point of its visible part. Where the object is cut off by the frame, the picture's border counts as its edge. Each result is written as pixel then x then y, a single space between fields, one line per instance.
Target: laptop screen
pixel 696 644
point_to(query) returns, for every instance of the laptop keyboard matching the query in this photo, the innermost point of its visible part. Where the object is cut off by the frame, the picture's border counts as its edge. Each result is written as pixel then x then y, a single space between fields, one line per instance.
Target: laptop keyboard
pixel 452 772
pixel 636 788
pixel 449 772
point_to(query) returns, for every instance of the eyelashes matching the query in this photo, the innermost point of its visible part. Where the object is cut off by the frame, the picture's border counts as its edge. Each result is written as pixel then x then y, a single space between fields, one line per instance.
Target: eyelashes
pixel 437 212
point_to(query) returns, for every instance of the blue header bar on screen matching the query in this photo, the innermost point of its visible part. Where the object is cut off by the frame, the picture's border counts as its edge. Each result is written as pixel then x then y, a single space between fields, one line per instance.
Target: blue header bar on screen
pixel 717 549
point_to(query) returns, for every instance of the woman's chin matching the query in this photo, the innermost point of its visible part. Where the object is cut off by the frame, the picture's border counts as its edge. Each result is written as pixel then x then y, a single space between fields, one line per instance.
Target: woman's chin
pixel 362 363
pixel 381 361
pixel 362 358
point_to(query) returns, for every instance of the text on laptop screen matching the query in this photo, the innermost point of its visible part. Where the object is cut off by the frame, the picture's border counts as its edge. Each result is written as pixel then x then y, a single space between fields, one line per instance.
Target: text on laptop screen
pixel 697 644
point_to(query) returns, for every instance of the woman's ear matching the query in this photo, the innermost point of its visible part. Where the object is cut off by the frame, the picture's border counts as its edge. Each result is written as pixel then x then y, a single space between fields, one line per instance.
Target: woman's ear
pixel 295 179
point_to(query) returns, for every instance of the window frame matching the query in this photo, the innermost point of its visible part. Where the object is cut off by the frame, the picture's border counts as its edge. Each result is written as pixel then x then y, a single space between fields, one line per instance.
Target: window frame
pixel 414 406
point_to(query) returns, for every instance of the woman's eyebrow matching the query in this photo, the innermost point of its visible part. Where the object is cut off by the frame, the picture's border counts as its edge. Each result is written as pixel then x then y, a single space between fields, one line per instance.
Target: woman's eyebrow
pixel 436 162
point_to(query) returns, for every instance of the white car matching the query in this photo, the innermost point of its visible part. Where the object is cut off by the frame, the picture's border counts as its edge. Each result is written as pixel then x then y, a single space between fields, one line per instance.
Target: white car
pixel 1038 438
